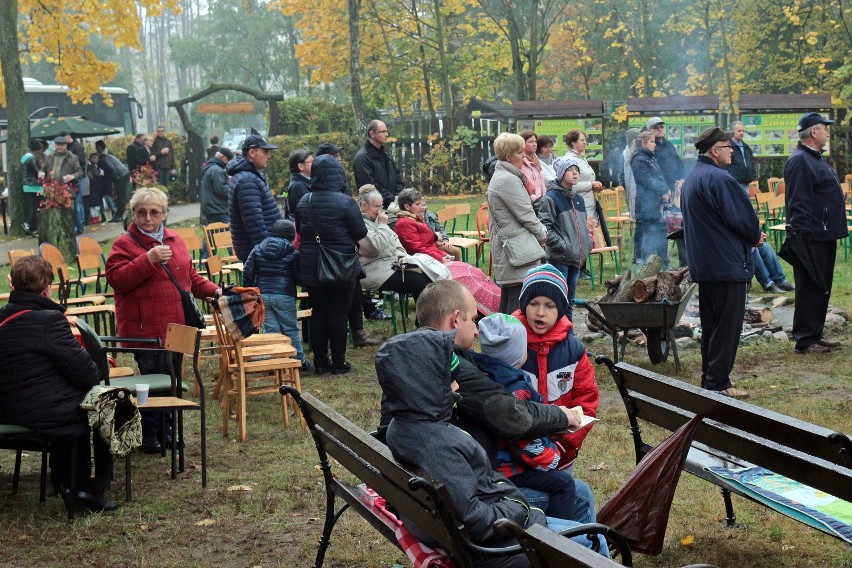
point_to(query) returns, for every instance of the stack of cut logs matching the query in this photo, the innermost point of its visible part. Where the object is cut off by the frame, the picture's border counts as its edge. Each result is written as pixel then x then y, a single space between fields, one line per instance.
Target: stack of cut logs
pixel 649 284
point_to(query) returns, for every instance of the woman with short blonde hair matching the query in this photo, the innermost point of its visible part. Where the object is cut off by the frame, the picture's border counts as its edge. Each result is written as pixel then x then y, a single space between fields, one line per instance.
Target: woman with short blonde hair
pixel 511 216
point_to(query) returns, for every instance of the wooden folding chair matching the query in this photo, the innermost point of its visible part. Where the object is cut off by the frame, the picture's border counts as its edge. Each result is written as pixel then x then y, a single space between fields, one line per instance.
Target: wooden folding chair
pixel 448 214
pixel 192 241
pixel 15 254
pixel 218 235
pixel 254 370
pixel 599 250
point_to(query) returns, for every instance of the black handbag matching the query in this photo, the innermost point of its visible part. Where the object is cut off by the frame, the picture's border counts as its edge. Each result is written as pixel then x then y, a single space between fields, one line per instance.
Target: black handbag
pixel 192 315
pixel 334 267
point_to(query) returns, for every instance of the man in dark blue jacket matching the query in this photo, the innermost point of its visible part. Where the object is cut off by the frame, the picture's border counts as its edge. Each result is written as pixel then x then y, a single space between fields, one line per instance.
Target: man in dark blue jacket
pixel 720 228
pixel 214 188
pixel 815 210
pixel 252 207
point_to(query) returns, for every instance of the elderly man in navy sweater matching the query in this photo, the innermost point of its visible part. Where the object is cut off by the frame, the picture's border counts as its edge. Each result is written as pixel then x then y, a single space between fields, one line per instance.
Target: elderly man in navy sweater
pixel 815 210
pixel 720 228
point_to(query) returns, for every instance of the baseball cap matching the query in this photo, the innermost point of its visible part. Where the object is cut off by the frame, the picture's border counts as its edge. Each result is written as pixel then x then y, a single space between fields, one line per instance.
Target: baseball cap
pixel 654 121
pixel 812 119
pixel 328 148
pixel 257 141
pixel 709 137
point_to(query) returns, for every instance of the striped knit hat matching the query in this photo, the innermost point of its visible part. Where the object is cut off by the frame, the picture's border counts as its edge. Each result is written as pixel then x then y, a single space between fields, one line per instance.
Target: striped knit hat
pixel 545 280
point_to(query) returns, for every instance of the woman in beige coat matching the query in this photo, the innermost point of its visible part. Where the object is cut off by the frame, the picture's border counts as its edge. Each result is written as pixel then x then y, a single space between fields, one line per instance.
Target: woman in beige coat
pixel 511 216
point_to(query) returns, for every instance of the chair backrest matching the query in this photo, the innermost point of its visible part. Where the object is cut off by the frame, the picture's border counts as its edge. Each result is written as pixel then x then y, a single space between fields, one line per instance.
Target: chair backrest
pixel 212 229
pixel 63 275
pixel 776 204
pixel 780 188
pixel 763 197
pixel 600 241
pixel 621 201
pixel 190 238
pixel 88 245
pixel 93 344
pixel 52 255
pixel 214 266
pixel 609 202
pixel 482 221
pixel 753 189
pixel 183 339
pixel 445 215
pixel 89 261
pixel 771 183
pixel 463 209
pixel 15 254
pixel 227 349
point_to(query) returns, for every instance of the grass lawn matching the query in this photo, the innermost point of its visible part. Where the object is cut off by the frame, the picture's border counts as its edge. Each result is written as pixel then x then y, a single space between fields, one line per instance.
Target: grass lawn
pixel 265 500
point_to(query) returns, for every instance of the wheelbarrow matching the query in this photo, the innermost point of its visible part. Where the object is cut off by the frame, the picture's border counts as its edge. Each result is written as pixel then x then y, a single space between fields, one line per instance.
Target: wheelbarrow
pixel 656 320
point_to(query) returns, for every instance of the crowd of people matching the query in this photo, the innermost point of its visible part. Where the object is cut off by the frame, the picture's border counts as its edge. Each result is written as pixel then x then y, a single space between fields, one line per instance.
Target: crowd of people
pixel 502 428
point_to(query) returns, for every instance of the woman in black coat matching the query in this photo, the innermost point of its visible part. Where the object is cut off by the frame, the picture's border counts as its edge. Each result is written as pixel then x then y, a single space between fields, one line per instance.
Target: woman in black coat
pixel 328 212
pixel 651 193
pixel 45 376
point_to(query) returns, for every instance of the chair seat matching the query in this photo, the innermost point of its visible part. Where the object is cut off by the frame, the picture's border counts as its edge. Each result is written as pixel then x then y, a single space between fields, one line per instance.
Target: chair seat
pixel 117 372
pixel 14 430
pixel 467 234
pixel 463 242
pixel 604 249
pixel 157 383
pixel 168 403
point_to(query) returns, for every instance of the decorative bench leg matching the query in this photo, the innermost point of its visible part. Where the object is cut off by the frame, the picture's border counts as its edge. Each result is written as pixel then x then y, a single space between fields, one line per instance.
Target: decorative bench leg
pixel 730 518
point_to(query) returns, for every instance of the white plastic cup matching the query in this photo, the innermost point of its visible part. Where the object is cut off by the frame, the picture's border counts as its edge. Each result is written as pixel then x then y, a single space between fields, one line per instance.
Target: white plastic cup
pixel 142 394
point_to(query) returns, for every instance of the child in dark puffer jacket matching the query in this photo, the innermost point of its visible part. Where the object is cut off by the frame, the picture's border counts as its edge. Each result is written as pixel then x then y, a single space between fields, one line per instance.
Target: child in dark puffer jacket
pixel 527 463
pixel 271 266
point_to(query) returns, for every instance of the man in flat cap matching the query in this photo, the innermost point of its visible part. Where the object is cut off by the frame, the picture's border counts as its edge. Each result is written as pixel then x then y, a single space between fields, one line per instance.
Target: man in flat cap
pixel 816 212
pixel 720 228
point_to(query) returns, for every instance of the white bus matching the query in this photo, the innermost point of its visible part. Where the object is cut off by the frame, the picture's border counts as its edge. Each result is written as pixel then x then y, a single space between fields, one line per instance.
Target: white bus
pixel 44 100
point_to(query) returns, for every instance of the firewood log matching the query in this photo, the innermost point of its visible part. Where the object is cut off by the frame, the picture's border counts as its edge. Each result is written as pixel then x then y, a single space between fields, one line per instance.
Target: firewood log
pixel 643 290
pixel 667 287
pixel 758 316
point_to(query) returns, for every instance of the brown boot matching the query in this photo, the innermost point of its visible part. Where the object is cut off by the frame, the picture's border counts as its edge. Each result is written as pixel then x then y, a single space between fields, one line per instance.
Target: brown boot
pixel 361 339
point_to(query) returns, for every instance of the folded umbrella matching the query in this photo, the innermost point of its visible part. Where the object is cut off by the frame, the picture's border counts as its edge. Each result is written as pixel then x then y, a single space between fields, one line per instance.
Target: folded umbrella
pixel 484 290
pixel 640 508
pixel 796 250
pixel 242 311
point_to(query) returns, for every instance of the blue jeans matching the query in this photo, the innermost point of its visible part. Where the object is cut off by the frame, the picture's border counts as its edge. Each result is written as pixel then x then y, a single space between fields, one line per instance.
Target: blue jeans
pixel 559 485
pixel 767 269
pixel 572 275
pixel 281 318
pixel 584 501
pixel 557 525
pixel 79 210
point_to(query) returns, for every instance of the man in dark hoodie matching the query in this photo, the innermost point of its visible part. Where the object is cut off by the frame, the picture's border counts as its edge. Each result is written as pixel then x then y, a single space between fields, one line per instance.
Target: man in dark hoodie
pixel 214 188
pixel 419 398
pixel 252 207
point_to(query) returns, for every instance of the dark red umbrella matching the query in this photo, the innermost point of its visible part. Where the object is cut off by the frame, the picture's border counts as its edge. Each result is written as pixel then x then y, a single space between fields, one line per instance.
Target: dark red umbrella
pixel 640 508
pixel 484 290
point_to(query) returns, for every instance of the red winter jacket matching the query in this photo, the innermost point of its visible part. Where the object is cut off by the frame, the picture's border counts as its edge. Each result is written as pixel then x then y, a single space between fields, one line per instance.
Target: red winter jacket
pixel 146 301
pixel 562 365
pixel 416 236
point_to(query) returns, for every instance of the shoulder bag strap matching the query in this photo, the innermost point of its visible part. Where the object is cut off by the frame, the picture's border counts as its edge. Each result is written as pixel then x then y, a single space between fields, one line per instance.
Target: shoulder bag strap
pixel 13 316
pixel 165 267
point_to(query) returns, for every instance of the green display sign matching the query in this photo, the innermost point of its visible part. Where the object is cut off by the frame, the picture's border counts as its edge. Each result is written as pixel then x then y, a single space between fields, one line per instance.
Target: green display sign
pixel 681 130
pixel 772 135
pixel 557 128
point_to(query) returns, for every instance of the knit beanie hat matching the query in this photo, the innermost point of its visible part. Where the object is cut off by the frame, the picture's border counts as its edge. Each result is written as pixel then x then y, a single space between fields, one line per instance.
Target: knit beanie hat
pixel 561 166
pixel 503 337
pixel 545 280
pixel 285 229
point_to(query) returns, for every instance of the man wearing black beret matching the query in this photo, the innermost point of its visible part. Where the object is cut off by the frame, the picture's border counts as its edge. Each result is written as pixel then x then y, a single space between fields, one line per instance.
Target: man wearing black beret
pixel 816 212
pixel 720 228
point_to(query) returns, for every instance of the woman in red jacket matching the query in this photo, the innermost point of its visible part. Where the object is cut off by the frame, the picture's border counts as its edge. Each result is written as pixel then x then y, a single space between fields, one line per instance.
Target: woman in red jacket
pixel 413 232
pixel 146 300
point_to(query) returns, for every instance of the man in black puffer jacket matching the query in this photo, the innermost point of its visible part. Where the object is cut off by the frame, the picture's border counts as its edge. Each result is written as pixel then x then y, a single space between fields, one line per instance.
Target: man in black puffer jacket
pixel 45 376
pixel 252 207
pixel 328 213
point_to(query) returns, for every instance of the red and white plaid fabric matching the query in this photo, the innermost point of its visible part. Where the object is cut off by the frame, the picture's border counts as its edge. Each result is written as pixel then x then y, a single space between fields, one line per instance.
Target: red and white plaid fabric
pixel 419 554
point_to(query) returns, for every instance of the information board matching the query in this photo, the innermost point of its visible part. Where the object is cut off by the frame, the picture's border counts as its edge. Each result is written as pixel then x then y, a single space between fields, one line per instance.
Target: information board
pixel 772 135
pixel 681 130
pixel 559 127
